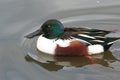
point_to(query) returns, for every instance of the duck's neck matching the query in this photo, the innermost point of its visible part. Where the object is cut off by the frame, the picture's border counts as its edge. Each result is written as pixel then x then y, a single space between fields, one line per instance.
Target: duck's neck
pixel 53 34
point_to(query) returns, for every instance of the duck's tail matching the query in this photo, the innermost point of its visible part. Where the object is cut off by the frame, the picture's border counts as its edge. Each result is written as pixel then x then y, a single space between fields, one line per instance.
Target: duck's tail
pixel 109 42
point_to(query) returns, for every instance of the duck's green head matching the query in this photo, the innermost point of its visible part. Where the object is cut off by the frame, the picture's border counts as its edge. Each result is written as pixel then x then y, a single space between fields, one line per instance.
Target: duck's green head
pixel 50 29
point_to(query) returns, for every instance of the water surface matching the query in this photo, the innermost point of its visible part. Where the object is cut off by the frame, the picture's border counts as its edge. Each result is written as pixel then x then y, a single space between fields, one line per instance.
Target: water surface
pixel 20 17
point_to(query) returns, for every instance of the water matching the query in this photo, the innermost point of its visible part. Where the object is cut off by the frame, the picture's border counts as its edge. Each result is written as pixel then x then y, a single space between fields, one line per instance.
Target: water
pixel 20 17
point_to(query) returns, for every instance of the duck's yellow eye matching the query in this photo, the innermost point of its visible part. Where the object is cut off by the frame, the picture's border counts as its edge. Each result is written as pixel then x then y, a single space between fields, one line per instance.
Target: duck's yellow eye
pixel 49 25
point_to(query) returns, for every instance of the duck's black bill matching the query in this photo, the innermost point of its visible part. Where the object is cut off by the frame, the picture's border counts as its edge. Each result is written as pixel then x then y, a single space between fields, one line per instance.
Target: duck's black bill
pixel 34 34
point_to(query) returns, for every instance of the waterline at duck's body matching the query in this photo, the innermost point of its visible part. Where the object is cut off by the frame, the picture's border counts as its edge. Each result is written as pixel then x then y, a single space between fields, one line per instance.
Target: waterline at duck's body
pixel 55 39
pixel 66 47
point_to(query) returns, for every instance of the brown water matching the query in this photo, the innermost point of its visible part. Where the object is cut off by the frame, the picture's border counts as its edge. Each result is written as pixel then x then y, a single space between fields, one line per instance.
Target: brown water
pixel 20 17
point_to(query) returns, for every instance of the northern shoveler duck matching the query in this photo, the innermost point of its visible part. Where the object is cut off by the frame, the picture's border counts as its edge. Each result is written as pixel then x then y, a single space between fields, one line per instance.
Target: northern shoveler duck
pixel 54 39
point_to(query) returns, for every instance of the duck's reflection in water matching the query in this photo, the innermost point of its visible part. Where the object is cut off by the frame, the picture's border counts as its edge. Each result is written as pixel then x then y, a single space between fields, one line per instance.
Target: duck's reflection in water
pixel 54 63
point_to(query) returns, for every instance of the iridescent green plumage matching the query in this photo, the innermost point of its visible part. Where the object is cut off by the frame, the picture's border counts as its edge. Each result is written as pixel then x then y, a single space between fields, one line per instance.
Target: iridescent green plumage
pixel 52 29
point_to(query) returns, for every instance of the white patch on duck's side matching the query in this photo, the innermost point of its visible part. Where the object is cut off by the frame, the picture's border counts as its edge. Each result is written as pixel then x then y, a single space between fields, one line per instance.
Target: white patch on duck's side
pixel 49 45
pixel 95 49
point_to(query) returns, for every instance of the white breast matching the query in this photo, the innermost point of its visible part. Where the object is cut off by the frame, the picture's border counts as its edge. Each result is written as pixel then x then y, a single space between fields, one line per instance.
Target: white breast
pixel 49 45
pixel 45 45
